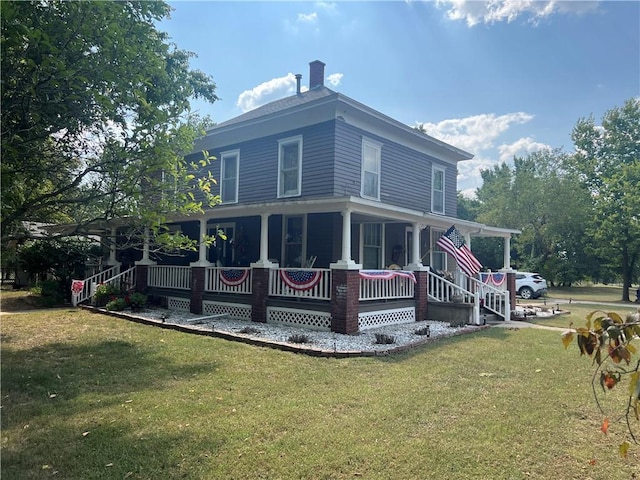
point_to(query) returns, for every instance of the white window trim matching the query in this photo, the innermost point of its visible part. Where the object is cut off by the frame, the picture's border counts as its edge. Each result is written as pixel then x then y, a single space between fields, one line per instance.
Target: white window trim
pixel 367 142
pixel 229 153
pixel 281 143
pixel 433 190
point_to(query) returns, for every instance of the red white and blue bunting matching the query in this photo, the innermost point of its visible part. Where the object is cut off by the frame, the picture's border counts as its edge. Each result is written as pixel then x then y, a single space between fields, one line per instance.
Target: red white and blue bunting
pixel 496 279
pixel 233 277
pixel 386 274
pixel 301 279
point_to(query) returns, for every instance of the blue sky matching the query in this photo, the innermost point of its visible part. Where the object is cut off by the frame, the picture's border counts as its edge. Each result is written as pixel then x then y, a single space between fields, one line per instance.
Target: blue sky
pixel 496 79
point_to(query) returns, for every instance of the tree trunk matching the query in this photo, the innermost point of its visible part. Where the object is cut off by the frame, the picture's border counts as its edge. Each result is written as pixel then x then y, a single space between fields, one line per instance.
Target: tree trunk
pixel 627 271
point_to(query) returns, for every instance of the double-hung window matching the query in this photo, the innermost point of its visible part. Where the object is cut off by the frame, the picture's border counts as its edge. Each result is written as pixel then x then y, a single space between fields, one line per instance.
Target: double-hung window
pixel 229 168
pixel 372 245
pixel 371 154
pixel 437 190
pixel 290 167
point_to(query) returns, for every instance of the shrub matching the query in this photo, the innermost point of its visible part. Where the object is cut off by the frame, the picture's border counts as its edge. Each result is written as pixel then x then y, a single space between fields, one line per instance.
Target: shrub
pixel 117 304
pixel 136 300
pixel 383 338
pixel 299 338
pixel 50 293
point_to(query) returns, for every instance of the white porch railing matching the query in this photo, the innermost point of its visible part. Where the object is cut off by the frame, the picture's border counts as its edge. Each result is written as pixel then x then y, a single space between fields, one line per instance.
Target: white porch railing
pixel 228 280
pixel 495 299
pixel 89 284
pixel 387 288
pixel 442 290
pixel 169 276
pixel 309 283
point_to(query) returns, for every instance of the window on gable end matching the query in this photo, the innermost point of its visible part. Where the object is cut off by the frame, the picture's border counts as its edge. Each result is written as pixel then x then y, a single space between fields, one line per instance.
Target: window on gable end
pixel 290 167
pixel 371 155
pixel 229 170
pixel 437 190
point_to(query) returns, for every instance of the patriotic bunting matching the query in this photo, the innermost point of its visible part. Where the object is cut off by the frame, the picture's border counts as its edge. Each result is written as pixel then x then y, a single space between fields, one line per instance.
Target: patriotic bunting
pixel 386 274
pixel 495 279
pixel 452 242
pixel 233 276
pixel 301 279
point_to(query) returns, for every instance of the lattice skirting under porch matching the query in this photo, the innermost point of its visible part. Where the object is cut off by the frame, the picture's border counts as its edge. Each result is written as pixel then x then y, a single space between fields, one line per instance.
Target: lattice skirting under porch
pixel 178 303
pixel 380 318
pixel 236 311
pixel 299 318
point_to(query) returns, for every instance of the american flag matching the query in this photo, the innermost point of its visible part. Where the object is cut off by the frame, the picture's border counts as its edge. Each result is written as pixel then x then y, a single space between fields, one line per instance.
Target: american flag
pixel 452 242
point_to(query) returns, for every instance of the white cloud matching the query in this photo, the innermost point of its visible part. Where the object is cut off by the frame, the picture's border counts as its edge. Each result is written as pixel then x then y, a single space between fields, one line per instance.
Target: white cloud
pixel 520 147
pixel 475 133
pixel 469 170
pixel 335 79
pixel 266 92
pixel 475 12
pixel 308 17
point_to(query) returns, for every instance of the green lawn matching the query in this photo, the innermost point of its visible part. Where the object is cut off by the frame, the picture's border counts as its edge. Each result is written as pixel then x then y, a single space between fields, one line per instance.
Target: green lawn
pixel 91 396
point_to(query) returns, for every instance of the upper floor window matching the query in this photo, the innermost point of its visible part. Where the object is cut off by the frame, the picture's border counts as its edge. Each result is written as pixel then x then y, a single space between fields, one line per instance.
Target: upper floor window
pixel 371 169
pixel 437 190
pixel 290 167
pixel 229 169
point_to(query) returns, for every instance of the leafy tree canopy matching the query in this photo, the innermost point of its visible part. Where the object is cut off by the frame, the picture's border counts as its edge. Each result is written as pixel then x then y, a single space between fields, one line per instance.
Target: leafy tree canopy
pixel 607 162
pixel 96 115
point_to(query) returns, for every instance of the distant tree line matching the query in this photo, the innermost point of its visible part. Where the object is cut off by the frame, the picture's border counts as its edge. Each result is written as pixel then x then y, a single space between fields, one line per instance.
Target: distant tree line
pixel 579 212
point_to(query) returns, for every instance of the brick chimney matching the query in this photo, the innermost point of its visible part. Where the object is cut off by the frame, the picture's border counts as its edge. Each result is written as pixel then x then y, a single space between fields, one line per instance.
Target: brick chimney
pixel 316 74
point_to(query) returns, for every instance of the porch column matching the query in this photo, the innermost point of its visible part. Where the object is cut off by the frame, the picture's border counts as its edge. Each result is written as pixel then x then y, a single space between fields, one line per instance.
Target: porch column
pixel 507 253
pixel 345 300
pixel 416 261
pixel 421 294
pixel 145 250
pixel 202 246
pixel 345 262
pixel 112 249
pixel 264 262
pixel 260 272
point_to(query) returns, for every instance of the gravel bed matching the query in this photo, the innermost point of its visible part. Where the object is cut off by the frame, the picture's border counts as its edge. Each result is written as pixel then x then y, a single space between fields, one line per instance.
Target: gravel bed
pixel 404 334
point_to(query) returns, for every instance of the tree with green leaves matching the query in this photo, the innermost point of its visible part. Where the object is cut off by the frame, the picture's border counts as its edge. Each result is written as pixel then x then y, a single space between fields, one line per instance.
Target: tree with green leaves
pixel 537 196
pixel 607 162
pixel 96 116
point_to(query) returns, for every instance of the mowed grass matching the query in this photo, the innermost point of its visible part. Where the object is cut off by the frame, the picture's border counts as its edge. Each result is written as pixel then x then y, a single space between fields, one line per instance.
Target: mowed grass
pixel 90 396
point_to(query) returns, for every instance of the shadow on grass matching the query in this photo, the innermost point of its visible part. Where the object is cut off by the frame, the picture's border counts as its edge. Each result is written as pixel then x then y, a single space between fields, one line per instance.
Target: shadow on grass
pixel 49 390
pixel 51 377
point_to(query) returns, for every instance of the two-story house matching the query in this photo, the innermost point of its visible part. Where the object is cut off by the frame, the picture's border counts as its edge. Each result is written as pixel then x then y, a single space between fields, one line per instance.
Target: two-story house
pixel 331 210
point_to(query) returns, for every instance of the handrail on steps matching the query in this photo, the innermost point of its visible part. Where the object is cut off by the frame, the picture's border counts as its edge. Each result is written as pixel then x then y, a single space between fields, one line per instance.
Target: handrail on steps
pixel 108 276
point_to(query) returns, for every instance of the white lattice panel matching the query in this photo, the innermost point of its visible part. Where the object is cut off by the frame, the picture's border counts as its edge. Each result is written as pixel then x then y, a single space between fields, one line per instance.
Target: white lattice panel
pixel 236 311
pixel 381 318
pixel 177 303
pixel 299 318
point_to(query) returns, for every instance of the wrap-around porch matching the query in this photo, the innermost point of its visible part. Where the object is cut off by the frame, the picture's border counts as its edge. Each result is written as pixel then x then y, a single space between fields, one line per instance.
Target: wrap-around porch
pixel 243 277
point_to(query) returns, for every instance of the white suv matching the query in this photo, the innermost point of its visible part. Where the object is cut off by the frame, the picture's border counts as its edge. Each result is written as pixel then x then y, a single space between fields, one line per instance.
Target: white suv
pixel 530 285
